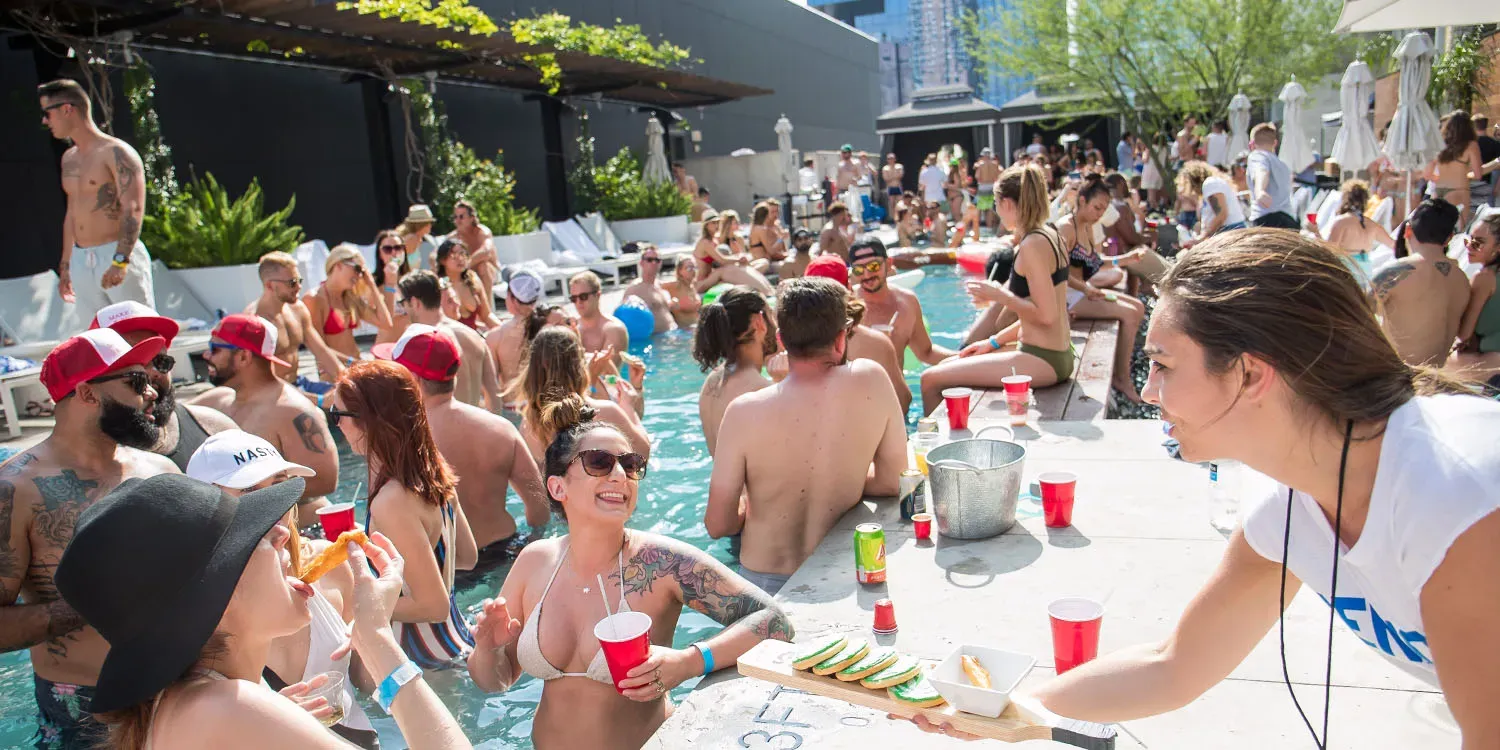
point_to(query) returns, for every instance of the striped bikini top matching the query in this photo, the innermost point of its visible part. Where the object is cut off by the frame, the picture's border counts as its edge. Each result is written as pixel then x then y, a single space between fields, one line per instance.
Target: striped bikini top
pixel 438 645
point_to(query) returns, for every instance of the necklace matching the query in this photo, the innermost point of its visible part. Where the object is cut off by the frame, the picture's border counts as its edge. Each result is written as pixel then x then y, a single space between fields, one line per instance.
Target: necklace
pixel 625 539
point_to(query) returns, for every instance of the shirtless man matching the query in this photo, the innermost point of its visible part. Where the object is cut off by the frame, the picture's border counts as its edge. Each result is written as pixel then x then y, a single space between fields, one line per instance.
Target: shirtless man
pixel 506 341
pixel 599 332
pixel 422 297
pixel 839 234
pixel 892 311
pixel 1187 141
pixel 864 342
pixel 106 190
pixel 891 174
pixel 104 400
pixel 183 427
pixel 650 291
pixel 280 302
pixel 685 181
pixel 478 238
pixel 1423 295
pixel 848 170
pixel 240 355
pixel 796 264
pixel 986 172
pixel 486 451
pixel 807 449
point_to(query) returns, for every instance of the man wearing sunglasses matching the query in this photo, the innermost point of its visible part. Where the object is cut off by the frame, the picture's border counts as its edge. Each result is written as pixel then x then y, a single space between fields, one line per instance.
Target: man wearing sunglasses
pixel 599 332
pixel 182 427
pixel 106 197
pixel 104 400
pixel 648 289
pixel 892 310
pixel 240 355
pixel 421 296
pixel 842 412
pixel 281 303
pixel 1421 297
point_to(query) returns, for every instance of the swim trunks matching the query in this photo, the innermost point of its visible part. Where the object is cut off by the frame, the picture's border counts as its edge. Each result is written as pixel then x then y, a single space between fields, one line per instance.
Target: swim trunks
pixel 767 582
pixel 63 718
pixel 492 556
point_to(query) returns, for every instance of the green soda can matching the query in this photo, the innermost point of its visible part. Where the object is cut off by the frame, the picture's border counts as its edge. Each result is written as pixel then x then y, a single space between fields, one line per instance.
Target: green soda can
pixel 869 553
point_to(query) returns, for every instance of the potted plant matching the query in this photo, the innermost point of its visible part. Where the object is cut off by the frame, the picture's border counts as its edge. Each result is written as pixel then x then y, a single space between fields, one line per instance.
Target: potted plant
pixel 213 243
pixel 487 185
pixel 637 210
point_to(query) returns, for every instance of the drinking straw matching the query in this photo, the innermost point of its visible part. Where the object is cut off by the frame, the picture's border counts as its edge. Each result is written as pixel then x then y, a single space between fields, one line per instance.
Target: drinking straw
pixel 613 626
pixel 1012 371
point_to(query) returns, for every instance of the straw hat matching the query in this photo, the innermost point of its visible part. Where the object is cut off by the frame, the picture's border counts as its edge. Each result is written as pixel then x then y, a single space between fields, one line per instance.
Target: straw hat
pixel 419 213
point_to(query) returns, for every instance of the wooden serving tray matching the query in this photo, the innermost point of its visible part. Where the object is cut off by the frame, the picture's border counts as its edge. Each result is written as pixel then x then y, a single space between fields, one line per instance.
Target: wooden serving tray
pixel 772 661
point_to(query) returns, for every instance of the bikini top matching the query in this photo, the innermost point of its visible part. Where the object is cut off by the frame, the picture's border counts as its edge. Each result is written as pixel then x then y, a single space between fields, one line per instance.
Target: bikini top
pixel 333 324
pixel 529 645
pixel 1018 284
pixel 1088 260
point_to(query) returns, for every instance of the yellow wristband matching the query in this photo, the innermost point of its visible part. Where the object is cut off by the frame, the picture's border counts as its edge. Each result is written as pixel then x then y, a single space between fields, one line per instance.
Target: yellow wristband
pixel 118 264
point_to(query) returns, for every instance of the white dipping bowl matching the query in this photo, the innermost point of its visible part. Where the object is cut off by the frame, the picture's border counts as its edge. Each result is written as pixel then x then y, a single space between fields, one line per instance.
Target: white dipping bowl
pixel 1006 668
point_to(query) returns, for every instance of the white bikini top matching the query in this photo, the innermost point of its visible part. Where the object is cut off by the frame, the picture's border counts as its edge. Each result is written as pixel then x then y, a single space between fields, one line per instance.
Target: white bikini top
pixel 529 645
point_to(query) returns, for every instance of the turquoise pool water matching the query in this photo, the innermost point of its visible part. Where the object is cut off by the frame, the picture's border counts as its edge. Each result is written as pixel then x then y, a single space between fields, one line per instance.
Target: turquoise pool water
pixel 671 503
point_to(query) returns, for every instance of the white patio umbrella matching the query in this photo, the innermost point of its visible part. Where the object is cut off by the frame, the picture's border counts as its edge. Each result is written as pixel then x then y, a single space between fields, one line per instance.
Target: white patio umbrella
pixel 1413 138
pixel 1391 15
pixel 788 156
pixel 1355 147
pixel 1239 124
pixel 656 169
pixel 1295 150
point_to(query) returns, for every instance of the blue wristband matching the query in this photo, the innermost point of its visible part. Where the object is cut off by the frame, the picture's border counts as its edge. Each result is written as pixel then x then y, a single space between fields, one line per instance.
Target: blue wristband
pixel 995 342
pixel 708 657
pixel 385 695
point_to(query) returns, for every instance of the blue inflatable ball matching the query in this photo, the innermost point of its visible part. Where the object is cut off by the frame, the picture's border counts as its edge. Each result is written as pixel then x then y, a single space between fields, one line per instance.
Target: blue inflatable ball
pixel 638 320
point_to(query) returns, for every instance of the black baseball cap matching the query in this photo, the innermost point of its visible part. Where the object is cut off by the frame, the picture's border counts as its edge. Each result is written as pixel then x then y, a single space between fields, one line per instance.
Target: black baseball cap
pixel 803 232
pixel 868 248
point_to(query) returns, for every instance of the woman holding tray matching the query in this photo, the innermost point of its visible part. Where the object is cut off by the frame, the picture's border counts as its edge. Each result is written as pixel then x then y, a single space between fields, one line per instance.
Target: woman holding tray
pixel 1376 480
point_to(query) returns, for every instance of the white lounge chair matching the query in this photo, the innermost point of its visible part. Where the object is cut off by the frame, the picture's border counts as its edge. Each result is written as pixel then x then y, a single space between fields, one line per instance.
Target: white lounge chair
pixel 573 248
pixel 603 237
pixel 9 382
pixel 33 317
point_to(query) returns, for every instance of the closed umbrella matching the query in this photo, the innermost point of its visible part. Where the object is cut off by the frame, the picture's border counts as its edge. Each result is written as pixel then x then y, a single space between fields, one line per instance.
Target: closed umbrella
pixel 1239 125
pixel 1295 150
pixel 788 156
pixel 1413 137
pixel 656 169
pixel 1355 147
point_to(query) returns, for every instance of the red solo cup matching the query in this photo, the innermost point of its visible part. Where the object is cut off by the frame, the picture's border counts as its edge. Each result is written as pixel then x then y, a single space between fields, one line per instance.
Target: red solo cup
pixel 336 519
pixel 921 525
pixel 957 401
pixel 625 638
pixel 1057 497
pixel 885 617
pixel 1017 397
pixel 1312 218
pixel 1075 631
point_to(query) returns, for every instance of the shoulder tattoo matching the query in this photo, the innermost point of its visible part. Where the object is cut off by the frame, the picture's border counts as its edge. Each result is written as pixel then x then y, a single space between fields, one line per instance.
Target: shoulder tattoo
pixel 1443 266
pixel 1386 279
pixel 63 498
pixel 310 432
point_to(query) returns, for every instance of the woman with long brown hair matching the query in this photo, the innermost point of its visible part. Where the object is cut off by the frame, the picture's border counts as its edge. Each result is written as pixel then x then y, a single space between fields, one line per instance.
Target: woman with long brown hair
pixel 1478 351
pixel 476 309
pixel 1451 171
pixel 1354 233
pixel 556 369
pixel 412 500
pixel 390 266
pixel 767 239
pixel 1374 484
pixel 726 260
pixel 346 298
pixel 1088 267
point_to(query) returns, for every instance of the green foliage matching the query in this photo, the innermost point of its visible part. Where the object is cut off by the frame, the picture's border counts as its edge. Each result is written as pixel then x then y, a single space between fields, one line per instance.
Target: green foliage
pixel 617 189
pixel 457 173
pixel 1462 74
pixel 156 155
pixel 622 42
pixel 1156 61
pixel 458 15
pixel 1375 49
pixel 204 227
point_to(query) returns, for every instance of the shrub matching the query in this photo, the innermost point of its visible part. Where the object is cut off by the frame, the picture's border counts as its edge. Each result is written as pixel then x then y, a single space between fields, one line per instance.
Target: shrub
pixel 201 226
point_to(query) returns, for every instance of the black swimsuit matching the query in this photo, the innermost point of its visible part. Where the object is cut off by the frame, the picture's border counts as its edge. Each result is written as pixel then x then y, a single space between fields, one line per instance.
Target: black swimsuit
pixel 1018 285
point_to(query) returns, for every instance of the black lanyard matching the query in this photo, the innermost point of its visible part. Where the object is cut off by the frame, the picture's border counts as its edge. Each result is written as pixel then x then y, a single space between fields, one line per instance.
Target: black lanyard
pixel 1333 587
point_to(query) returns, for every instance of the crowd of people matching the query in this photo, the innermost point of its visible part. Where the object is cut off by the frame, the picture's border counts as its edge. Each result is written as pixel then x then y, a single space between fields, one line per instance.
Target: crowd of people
pixel 151 548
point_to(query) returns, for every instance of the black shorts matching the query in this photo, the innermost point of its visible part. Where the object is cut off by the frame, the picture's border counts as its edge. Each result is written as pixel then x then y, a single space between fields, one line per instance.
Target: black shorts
pixel 493 556
pixel 1277 220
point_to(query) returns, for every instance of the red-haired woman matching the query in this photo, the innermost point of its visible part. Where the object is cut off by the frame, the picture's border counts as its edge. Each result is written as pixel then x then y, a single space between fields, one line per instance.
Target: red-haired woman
pixel 413 502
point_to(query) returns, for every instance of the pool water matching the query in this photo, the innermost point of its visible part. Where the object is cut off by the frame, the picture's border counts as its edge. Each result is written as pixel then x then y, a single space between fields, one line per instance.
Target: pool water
pixel 671 503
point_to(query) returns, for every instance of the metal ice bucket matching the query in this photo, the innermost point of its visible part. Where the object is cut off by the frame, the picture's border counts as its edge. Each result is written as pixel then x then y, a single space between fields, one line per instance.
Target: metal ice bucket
pixel 974 485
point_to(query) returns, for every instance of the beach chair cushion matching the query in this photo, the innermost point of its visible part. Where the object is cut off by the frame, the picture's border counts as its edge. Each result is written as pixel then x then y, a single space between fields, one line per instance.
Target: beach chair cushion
pixel 601 233
pixel 33 316
pixel 175 300
pixel 571 246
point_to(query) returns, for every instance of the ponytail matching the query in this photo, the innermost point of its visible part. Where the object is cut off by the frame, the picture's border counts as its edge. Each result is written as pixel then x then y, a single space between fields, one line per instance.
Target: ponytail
pixel 561 411
pixel 1027 186
pixel 1356 196
pixel 724 325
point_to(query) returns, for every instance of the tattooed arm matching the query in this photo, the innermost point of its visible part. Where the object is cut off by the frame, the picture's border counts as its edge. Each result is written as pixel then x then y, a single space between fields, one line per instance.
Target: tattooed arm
pixel 48 618
pixel 130 185
pixel 706 585
pixel 1385 281
pixel 309 443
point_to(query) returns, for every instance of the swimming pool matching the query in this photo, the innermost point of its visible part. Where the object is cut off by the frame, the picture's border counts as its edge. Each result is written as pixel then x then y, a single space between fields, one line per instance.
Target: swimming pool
pixel 671 503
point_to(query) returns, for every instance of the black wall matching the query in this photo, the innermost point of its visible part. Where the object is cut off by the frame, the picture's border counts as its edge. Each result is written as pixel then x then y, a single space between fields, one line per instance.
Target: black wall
pixel 304 131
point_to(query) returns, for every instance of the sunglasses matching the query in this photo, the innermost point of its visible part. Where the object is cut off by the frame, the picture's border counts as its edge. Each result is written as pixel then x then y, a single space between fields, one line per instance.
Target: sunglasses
pixel 650 260
pixel 47 110
pixel 138 380
pixel 163 363
pixel 392 248
pixel 600 463
pixel 214 346
pixel 358 267
pixel 293 282
pixel 577 298
pixel 335 414
pixel 872 266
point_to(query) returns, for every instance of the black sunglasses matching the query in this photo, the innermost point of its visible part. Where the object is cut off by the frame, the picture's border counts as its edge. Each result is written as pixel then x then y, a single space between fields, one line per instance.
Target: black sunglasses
pixel 650 260
pixel 392 248
pixel 295 281
pixel 138 380
pixel 163 362
pixel 576 298
pixel 335 414
pixel 601 463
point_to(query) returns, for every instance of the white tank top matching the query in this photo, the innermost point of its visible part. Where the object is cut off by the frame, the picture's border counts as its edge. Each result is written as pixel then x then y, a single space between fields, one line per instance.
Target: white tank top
pixel 1439 473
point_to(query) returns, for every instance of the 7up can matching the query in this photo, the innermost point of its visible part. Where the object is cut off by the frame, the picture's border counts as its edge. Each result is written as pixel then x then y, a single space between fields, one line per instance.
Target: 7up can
pixel 869 553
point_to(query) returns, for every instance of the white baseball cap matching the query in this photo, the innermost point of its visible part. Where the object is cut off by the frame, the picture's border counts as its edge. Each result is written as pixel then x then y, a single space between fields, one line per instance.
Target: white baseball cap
pixel 238 460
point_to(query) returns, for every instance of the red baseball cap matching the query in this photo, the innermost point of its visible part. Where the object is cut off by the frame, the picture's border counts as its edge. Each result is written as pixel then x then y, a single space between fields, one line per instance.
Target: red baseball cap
pixel 250 332
pixel 429 353
pixel 125 317
pixel 90 354
pixel 829 267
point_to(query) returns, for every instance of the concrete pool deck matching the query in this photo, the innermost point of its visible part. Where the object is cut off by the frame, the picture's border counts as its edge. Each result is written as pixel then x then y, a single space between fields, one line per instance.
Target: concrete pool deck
pixel 1141 541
